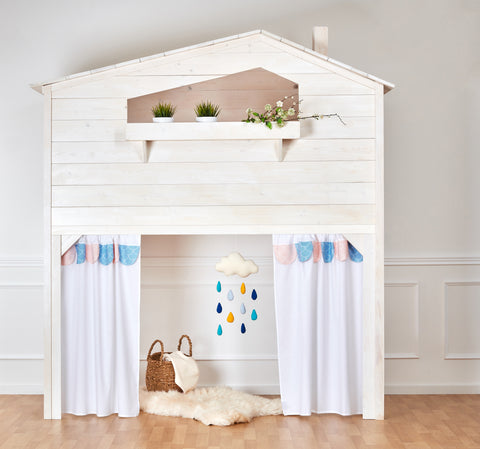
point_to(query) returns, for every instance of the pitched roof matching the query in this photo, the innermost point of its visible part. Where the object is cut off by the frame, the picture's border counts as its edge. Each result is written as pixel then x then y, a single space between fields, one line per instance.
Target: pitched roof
pixel 387 85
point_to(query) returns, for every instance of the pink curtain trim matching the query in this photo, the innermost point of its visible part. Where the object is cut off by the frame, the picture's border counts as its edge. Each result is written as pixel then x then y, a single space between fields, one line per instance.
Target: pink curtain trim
pixel 287 254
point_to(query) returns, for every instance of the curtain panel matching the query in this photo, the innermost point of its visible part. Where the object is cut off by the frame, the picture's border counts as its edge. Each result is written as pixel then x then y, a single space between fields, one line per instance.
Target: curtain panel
pixel 100 326
pixel 318 301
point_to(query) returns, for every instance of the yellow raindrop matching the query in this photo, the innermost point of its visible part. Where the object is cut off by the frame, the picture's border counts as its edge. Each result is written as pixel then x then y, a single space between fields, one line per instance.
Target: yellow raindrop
pixel 230 317
pixel 242 288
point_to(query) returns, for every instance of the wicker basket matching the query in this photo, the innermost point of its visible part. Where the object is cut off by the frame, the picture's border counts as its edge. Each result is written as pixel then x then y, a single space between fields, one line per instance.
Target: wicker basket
pixel 160 375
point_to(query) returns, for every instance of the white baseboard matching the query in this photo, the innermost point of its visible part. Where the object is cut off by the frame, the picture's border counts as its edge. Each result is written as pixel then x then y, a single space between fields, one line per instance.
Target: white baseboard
pixel 433 389
pixel 21 389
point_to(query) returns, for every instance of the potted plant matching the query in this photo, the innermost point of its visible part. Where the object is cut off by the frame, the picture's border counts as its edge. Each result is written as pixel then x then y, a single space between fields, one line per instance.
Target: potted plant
pixel 163 112
pixel 206 111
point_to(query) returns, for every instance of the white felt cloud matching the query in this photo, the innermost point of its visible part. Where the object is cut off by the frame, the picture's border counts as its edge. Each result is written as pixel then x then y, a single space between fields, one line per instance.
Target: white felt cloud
pixel 236 264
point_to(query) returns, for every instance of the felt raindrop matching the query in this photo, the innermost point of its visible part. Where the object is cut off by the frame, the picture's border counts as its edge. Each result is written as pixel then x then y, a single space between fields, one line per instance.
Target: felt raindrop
pixel 254 294
pixel 230 295
pixel 219 287
pixel 243 310
pixel 219 308
pixel 219 330
pixel 230 318
pixel 254 315
pixel 243 329
pixel 242 288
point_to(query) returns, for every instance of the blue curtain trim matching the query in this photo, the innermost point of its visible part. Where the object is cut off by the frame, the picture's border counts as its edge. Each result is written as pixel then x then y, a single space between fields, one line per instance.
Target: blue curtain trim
pixel 354 253
pixel 328 251
pixel 81 252
pixel 304 252
pixel 128 254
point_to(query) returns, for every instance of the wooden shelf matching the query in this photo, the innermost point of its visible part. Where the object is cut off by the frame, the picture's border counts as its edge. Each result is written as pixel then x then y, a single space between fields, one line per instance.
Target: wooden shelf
pixel 210 131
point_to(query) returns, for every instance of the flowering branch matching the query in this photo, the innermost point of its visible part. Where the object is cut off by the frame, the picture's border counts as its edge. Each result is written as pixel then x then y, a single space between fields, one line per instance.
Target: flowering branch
pixel 271 115
pixel 279 115
pixel 322 116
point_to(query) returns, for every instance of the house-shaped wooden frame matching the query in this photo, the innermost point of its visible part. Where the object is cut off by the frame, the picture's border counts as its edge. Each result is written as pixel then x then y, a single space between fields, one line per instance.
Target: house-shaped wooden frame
pixel 106 173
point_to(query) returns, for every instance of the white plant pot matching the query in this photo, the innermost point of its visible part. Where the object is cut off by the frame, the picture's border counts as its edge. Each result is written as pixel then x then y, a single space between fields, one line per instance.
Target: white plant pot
pixel 206 119
pixel 163 119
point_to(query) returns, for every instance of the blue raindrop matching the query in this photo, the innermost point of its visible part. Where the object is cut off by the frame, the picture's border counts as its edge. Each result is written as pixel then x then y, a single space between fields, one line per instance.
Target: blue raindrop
pixel 230 295
pixel 243 329
pixel 254 294
pixel 219 308
pixel 219 287
pixel 219 330
pixel 254 315
pixel 242 309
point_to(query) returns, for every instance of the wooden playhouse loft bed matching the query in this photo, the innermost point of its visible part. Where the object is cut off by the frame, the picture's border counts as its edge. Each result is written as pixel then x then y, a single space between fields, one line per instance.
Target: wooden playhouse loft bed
pixel 109 170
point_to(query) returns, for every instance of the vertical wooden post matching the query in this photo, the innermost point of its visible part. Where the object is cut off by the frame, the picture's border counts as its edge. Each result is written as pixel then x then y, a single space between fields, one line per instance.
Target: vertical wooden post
pixel 47 222
pixel 56 328
pixel 370 349
pixel 379 256
pixel 320 40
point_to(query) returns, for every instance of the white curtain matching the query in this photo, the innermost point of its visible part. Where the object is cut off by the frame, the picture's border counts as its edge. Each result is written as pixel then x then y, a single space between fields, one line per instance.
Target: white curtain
pixel 318 301
pixel 100 326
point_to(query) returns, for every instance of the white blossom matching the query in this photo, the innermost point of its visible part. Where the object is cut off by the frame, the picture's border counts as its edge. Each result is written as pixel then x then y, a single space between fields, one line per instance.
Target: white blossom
pixel 279 104
pixel 268 107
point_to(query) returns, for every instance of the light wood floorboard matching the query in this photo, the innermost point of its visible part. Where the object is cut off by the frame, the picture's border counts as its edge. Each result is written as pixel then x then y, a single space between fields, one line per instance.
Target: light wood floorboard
pixel 412 422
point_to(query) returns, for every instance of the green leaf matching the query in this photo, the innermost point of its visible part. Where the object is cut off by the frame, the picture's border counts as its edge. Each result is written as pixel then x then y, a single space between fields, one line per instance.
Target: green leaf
pixel 269 124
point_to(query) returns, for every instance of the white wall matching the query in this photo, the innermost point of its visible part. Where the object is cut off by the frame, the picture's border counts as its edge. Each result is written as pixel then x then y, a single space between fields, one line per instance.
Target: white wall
pixel 428 48
pixel 179 296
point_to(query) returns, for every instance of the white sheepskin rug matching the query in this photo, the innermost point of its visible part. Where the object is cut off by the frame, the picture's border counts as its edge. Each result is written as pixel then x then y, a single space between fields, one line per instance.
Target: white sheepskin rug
pixel 218 406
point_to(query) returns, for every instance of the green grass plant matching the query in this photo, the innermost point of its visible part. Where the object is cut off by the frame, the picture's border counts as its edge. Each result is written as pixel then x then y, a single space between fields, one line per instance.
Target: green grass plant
pixel 207 109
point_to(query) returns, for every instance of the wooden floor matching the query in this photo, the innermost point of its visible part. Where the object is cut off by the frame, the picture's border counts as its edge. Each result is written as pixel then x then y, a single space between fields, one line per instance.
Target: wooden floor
pixel 413 422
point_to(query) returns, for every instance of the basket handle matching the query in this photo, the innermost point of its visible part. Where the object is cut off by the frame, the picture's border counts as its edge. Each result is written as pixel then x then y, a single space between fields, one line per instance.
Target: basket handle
pixel 151 347
pixel 189 342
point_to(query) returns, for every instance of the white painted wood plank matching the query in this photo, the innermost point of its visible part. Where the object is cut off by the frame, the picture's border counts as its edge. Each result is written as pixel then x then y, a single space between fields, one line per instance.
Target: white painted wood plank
pixel 210 131
pixel 215 229
pixel 216 215
pixel 47 248
pixel 56 328
pixel 345 105
pixel 88 130
pixel 208 195
pixel 329 150
pixel 333 128
pixel 253 46
pixel 327 84
pixel 214 151
pixel 227 63
pixel 127 86
pixel 214 173
pixel 118 130
pixel 134 86
pixel 97 152
pixel 89 109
